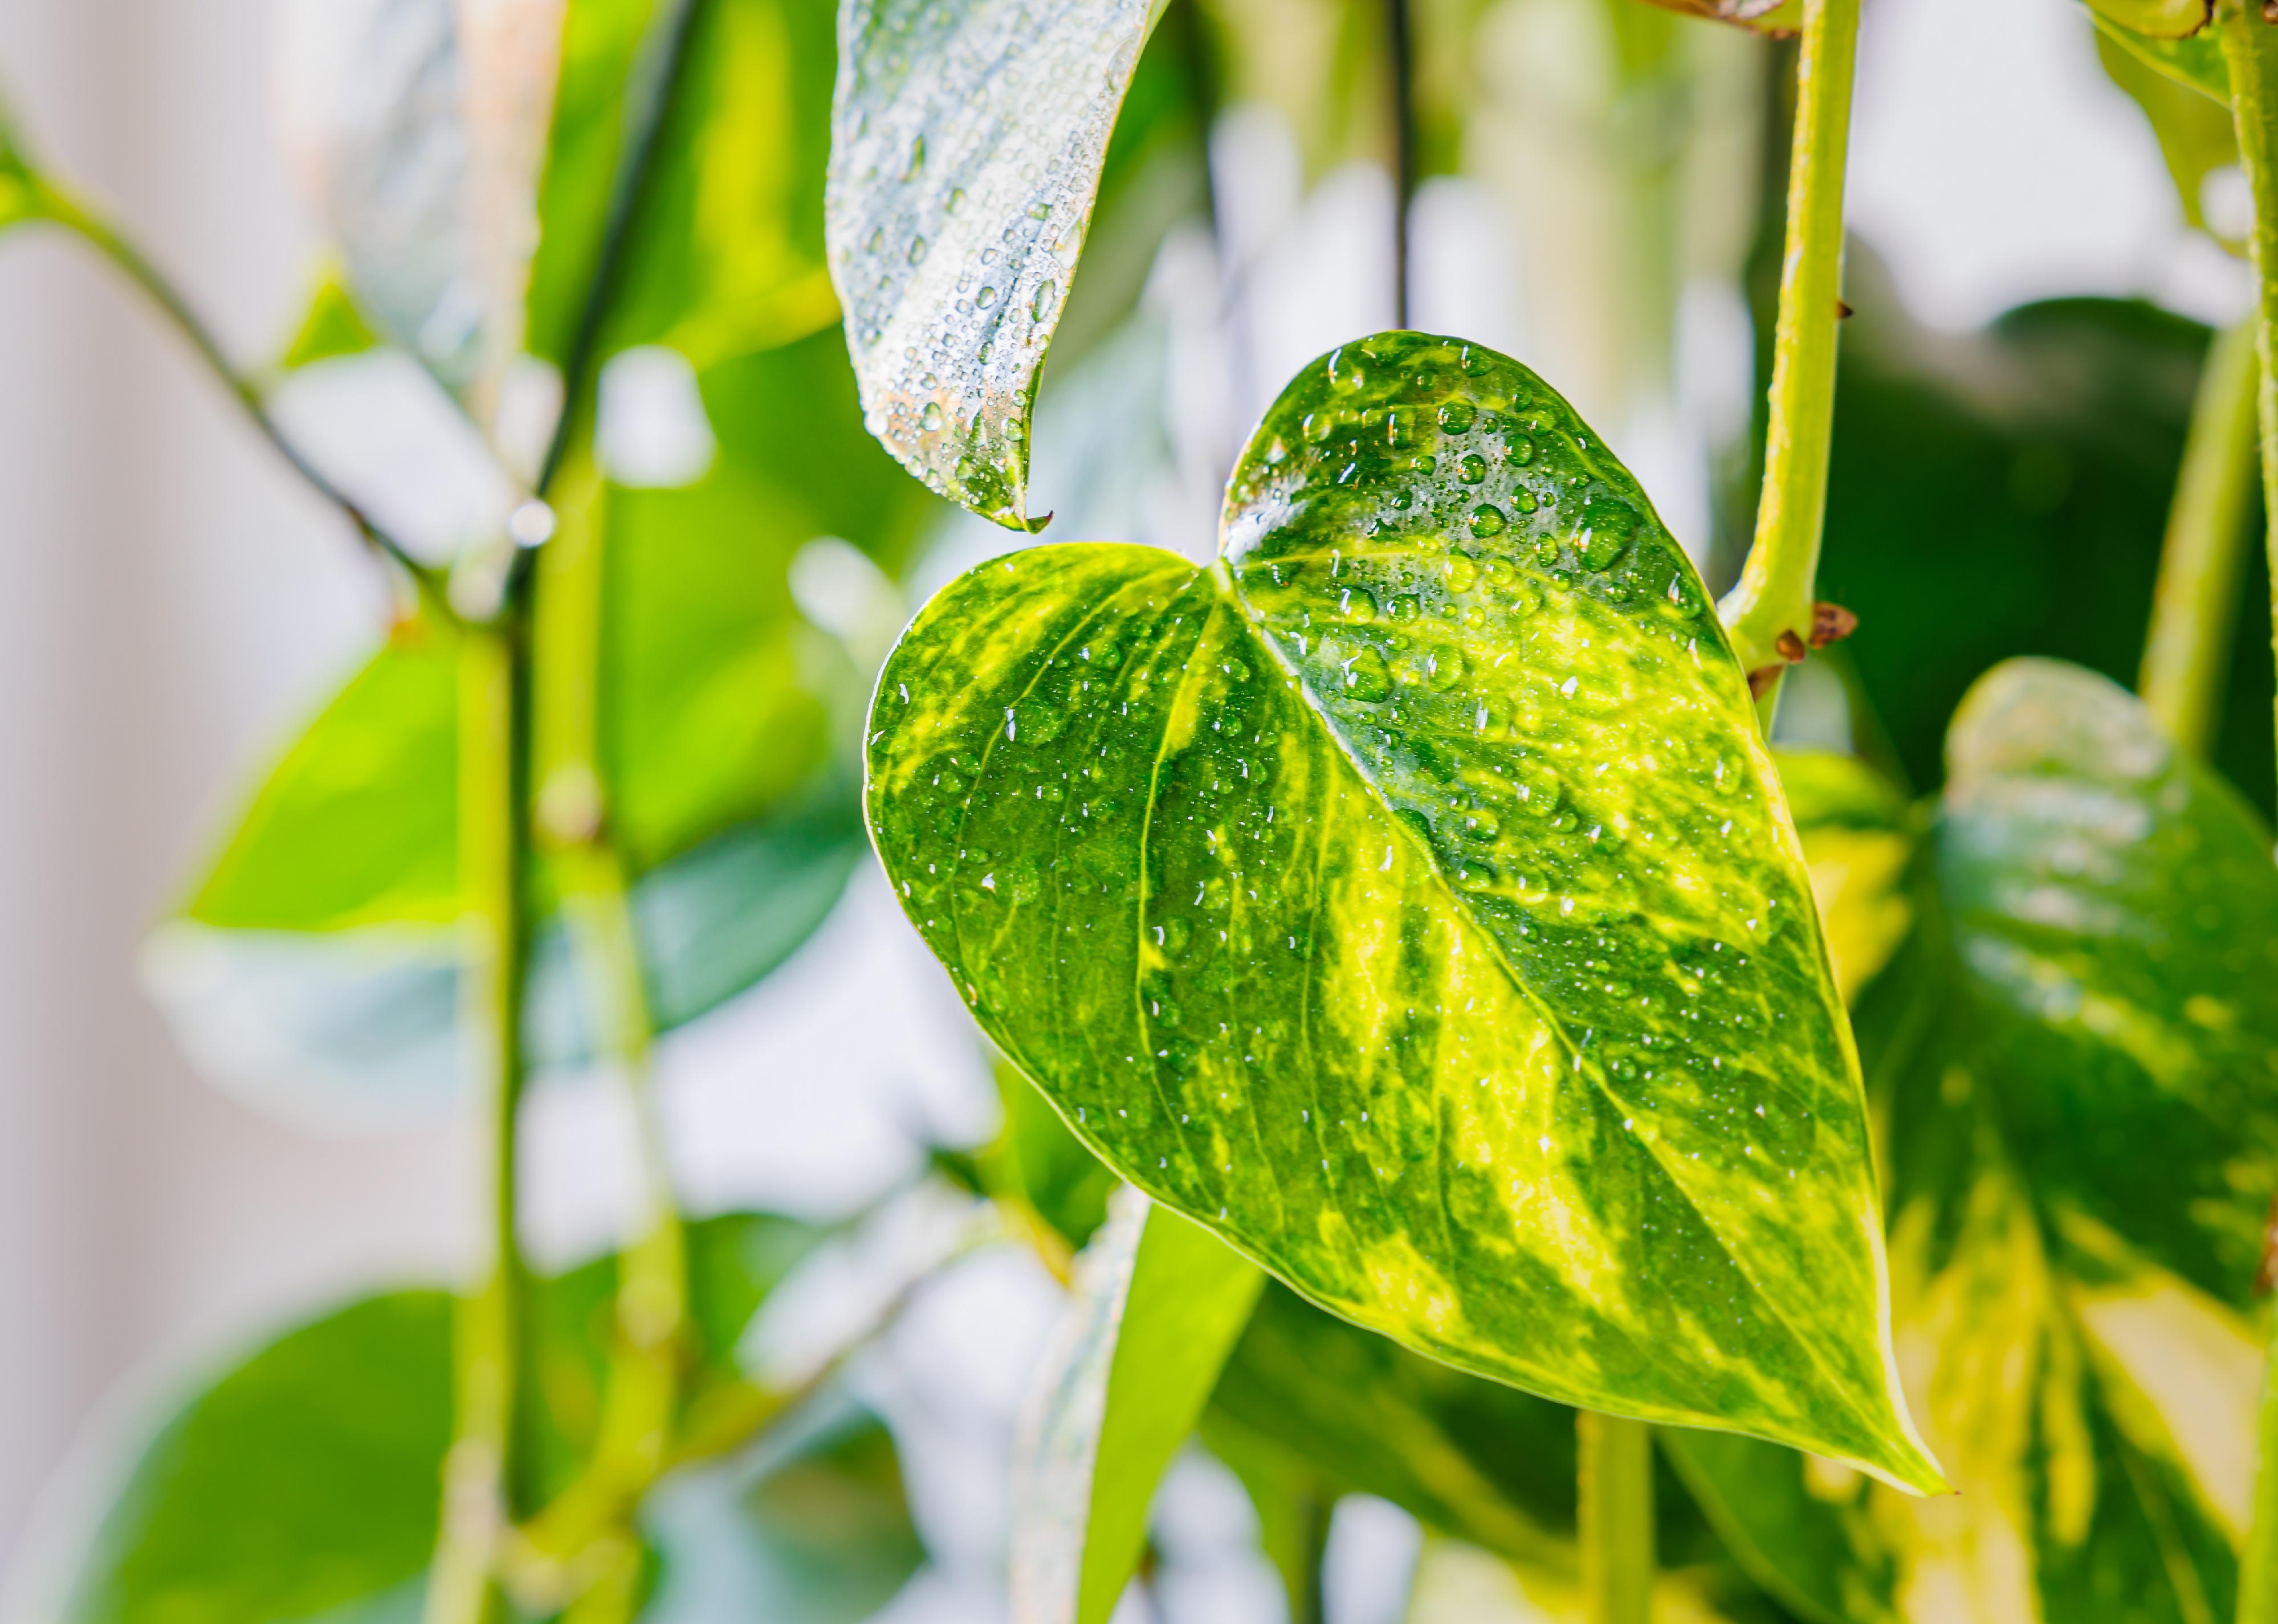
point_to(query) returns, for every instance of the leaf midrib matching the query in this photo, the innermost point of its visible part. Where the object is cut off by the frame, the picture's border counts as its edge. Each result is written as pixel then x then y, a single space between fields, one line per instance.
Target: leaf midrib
pixel 1228 590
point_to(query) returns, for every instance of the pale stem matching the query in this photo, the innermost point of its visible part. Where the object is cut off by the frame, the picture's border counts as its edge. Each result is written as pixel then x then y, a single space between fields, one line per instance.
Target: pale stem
pixel 1614 1508
pixel 2251 47
pixel 2187 652
pixel 489 1339
pixel 1773 598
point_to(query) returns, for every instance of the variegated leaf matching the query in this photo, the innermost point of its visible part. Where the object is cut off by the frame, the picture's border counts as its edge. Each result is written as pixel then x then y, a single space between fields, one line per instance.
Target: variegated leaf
pixel 2076 1054
pixel 1409 896
pixel 968 138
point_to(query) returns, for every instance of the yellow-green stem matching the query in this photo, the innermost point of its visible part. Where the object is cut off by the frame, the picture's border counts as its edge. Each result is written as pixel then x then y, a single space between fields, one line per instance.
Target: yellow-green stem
pixel 2187 654
pixel 479 1471
pixel 2251 47
pixel 1773 597
pixel 1616 1518
pixel 642 1391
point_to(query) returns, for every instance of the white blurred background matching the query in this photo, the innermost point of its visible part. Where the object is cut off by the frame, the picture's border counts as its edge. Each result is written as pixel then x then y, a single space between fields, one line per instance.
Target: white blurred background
pixel 173 602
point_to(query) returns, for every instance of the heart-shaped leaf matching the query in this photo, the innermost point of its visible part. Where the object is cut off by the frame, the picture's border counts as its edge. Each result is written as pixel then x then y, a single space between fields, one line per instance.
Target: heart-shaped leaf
pixel 1408 897
pixel 2076 1052
pixel 966 142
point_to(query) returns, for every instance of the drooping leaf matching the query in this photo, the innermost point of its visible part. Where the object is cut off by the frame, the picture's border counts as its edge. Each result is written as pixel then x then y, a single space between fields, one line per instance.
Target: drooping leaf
pixel 316 964
pixel 1159 1304
pixel 967 141
pixel 2194 131
pixel 1407 897
pixel 2076 1051
pixel 306 1480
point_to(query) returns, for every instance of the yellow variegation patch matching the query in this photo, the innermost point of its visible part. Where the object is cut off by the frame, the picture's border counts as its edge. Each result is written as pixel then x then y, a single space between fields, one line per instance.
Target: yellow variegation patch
pixel 1409 896
pixel 2075 1051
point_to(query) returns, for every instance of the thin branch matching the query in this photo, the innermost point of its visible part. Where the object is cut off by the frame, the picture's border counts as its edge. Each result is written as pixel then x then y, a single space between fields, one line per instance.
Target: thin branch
pixel 651 105
pixel 2250 46
pixel 1770 612
pixel 2194 607
pixel 1401 26
pixel 77 217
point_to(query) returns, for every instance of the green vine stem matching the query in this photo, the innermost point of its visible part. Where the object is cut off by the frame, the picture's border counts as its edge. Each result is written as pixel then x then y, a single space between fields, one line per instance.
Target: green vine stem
pixel 2251 47
pixel 1616 1517
pixel 488 1357
pixel 2194 607
pixel 52 202
pixel 643 1388
pixel 1769 612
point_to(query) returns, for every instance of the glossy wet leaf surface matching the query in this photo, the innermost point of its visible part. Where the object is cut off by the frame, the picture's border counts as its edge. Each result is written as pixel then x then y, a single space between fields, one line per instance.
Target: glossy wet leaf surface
pixel 1408 897
pixel 2076 1051
pixel 304 1480
pixel 967 143
pixel 1159 1304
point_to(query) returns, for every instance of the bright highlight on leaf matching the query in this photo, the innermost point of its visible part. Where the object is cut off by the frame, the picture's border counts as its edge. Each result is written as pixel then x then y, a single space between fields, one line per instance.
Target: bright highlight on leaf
pixel 967 141
pixel 1159 1303
pixel 2087 997
pixel 1408 896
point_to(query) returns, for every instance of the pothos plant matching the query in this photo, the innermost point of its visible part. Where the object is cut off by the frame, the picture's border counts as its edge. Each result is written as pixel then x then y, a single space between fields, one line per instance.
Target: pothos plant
pixel 1452 1055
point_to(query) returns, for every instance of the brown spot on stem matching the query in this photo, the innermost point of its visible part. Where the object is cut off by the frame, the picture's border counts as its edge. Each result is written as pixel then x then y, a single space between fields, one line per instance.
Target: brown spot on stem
pixel 1831 622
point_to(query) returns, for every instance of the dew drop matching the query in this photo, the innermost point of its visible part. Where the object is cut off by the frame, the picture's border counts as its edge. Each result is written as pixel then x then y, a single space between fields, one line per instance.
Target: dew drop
pixel 931 419
pixel 1487 520
pixel 1405 606
pixel 1447 667
pixel 1356 604
pixel 917 249
pixel 1457 416
pixel 1367 679
pixel 1519 449
pixel 1463 575
pixel 1472 468
pixel 986 297
pixel 1048 295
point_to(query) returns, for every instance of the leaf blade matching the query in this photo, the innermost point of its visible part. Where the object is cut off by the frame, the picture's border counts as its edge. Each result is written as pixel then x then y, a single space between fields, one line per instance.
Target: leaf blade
pixel 1493 1213
pixel 1160 1303
pixel 966 144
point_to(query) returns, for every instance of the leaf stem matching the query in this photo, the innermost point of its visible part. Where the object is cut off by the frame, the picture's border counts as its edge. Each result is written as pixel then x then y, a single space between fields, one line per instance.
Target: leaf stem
pixel 489 1351
pixel 649 98
pixel 1772 600
pixel 642 1393
pixel 59 206
pixel 1616 1517
pixel 1400 25
pixel 2187 654
pixel 2249 46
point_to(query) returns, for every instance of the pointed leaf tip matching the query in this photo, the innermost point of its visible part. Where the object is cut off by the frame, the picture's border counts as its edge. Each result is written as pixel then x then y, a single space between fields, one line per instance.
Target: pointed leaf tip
pixel 1408 897
pixel 967 143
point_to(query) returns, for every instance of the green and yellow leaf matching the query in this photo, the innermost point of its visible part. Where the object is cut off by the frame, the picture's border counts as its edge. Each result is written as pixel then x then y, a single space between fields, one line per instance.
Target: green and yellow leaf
pixel 966 142
pixel 2076 1055
pixel 1408 897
